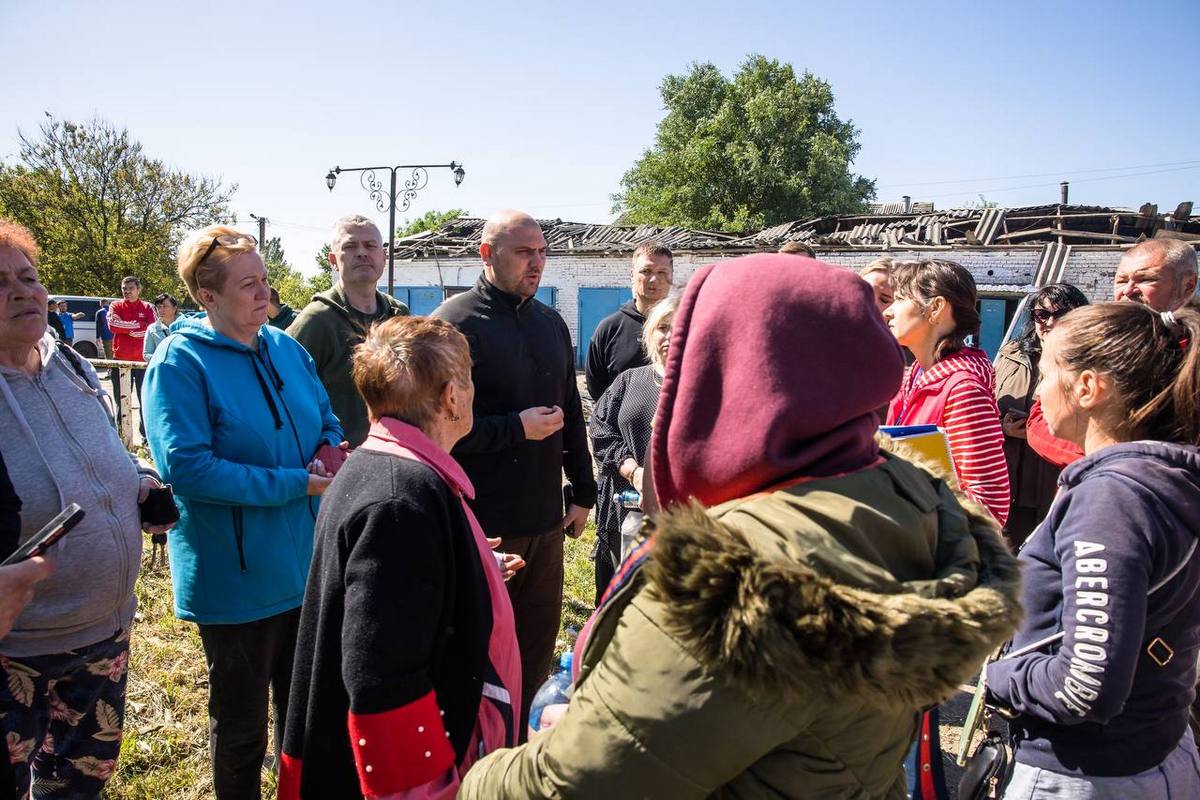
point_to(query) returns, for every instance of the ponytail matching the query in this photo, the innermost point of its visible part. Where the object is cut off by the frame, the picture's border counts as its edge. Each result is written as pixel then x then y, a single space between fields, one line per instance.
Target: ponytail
pixel 1153 360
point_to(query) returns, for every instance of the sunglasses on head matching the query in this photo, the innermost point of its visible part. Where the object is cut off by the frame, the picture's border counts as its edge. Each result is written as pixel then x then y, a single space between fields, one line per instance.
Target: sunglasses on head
pixel 227 240
pixel 1043 315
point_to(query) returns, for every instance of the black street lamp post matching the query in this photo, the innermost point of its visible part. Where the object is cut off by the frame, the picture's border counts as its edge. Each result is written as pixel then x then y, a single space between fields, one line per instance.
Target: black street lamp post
pixel 388 202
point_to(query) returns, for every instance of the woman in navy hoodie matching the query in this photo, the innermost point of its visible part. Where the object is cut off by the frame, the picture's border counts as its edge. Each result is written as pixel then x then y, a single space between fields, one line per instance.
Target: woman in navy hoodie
pixel 1101 674
pixel 240 425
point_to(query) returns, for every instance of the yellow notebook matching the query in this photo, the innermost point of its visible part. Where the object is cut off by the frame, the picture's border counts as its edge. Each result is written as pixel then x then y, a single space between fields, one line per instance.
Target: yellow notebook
pixel 928 440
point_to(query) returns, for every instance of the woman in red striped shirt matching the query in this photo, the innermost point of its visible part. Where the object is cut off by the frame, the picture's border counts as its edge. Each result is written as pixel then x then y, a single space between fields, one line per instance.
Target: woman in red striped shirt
pixel 952 386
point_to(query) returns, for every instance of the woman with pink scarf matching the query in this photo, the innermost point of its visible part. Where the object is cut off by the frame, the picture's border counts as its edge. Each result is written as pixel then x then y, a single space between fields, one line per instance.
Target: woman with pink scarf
pixel 407 668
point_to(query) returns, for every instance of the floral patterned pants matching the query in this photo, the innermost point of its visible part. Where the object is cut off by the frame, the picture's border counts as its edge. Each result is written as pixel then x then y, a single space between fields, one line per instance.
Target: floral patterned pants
pixel 62 716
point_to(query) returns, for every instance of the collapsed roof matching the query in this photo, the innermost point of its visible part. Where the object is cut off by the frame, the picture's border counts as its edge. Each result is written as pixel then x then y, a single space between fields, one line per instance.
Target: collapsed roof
pixel 915 229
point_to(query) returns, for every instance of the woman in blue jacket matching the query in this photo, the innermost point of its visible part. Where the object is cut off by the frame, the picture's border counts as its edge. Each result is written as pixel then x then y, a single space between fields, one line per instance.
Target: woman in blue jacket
pixel 1102 672
pixel 240 425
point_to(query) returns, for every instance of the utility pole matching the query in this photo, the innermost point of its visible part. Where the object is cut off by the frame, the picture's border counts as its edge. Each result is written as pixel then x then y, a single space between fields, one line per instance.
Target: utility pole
pixel 262 229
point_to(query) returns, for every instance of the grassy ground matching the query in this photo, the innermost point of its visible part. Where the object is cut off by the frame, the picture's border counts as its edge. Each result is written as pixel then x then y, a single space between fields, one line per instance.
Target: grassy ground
pixel 165 750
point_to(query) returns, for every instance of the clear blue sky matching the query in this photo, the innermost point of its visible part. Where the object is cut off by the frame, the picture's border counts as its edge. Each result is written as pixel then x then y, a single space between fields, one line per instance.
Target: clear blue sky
pixel 548 104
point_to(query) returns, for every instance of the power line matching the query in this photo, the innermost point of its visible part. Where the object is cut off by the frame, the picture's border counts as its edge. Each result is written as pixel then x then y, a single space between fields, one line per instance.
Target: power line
pixel 1055 185
pixel 1035 175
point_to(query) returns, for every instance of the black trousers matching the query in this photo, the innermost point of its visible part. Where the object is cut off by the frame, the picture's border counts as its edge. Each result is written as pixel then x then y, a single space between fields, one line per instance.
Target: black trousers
pixel 243 661
pixel 536 593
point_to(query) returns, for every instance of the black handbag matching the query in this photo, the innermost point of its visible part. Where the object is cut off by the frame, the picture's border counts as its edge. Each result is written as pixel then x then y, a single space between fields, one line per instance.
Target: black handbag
pixel 989 768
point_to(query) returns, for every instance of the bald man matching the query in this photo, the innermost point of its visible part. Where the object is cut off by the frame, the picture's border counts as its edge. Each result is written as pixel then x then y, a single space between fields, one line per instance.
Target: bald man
pixel 1160 273
pixel 528 429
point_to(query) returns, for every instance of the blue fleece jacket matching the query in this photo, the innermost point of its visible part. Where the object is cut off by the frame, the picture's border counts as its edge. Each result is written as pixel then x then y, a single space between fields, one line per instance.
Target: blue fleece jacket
pixel 1114 566
pixel 232 428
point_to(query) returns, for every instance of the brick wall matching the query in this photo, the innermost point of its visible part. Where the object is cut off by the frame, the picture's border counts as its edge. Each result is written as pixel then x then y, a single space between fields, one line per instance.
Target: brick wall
pixel 999 271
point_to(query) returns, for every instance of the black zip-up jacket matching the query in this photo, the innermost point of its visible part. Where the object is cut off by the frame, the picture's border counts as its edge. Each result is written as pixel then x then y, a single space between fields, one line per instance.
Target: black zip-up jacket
pixel 522 357
pixel 615 347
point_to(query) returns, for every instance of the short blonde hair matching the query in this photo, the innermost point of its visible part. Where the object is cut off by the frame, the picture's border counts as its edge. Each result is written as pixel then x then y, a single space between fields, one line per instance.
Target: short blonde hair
pixel 662 309
pixel 882 264
pixel 211 274
pixel 404 363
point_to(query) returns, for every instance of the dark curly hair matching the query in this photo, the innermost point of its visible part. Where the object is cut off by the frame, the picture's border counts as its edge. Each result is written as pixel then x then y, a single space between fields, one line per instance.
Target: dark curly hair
pixel 1061 297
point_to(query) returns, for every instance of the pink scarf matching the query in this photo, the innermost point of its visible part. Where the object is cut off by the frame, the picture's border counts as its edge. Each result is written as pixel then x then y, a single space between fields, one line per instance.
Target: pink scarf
pixel 400 439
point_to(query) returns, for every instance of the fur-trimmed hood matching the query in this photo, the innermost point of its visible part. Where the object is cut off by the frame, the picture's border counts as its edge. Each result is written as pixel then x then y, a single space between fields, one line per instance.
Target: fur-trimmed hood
pixel 771 622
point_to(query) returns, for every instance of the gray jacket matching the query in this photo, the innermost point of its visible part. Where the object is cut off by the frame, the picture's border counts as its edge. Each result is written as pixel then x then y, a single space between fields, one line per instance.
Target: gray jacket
pixel 60 447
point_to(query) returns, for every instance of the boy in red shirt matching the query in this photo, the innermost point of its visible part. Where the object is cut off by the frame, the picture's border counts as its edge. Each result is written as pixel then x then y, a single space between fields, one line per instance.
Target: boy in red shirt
pixel 128 318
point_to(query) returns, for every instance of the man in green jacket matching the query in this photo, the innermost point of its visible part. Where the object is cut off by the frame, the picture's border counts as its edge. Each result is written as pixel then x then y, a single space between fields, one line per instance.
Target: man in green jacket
pixel 336 321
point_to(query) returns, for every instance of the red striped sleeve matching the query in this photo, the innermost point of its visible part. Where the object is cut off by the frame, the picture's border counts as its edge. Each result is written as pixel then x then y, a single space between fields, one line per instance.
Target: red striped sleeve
pixel 972 423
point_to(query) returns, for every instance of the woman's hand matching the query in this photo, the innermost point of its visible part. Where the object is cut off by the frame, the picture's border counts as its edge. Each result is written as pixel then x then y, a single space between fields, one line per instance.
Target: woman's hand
pixel 332 458
pixel 632 471
pixel 317 484
pixel 16 588
pixel 317 467
pixel 509 563
pixel 552 715
pixel 147 483
pixel 1013 424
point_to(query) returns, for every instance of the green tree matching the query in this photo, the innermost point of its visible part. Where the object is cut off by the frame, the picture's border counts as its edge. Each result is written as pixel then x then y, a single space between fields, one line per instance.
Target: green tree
pixel 430 221
pixel 323 279
pixel 102 209
pixel 745 153
pixel 292 285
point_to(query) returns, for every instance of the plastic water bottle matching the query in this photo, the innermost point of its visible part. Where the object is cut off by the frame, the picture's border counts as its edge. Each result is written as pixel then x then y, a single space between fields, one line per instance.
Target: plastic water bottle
pixel 628 499
pixel 552 692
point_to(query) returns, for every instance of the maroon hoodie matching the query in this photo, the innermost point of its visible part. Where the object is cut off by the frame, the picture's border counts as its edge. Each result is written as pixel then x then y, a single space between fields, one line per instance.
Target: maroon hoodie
pixel 775 368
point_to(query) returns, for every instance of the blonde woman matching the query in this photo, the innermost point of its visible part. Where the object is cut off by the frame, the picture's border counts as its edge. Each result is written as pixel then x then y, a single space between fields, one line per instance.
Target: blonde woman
pixel 878 273
pixel 620 430
pixel 242 428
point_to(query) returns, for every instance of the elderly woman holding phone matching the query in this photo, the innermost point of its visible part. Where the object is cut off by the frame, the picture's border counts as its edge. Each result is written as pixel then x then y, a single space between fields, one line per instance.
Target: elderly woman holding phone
pixel 242 427
pixel 407 667
pixel 63 663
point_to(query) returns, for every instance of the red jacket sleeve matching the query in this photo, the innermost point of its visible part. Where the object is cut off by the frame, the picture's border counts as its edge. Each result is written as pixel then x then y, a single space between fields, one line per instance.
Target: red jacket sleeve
pixel 1058 452
pixel 976 438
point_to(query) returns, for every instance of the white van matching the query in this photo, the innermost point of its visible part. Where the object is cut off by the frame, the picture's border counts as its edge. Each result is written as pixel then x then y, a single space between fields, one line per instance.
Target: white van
pixel 86 342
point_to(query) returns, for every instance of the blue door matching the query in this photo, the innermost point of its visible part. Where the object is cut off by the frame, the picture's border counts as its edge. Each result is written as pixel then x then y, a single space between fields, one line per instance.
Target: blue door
pixel 548 295
pixel 991 328
pixel 421 300
pixel 594 305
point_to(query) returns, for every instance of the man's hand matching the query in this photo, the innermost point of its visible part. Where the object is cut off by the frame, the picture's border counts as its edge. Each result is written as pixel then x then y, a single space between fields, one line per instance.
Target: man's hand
pixel 541 421
pixel 573 522
pixel 331 457
pixel 16 588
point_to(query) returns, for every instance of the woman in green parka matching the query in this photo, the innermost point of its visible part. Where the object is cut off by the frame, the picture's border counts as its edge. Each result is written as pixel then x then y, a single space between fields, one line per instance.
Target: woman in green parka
pixel 805 593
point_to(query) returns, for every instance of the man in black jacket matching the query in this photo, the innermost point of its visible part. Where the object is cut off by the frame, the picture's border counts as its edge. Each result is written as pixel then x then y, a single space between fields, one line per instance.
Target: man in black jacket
pixel 617 341
pixel 528 429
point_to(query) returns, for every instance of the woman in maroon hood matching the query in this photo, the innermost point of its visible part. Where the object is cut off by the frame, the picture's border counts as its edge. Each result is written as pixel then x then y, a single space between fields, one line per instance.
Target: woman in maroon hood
pixel 804 593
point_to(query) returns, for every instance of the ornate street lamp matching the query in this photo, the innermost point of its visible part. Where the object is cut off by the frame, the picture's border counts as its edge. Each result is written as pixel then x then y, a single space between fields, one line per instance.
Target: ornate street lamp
pixel 393 199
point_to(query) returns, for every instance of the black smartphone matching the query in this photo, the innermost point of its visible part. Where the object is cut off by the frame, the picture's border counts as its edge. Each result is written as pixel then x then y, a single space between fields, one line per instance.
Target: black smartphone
pixel 568 501
pixel 54 530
